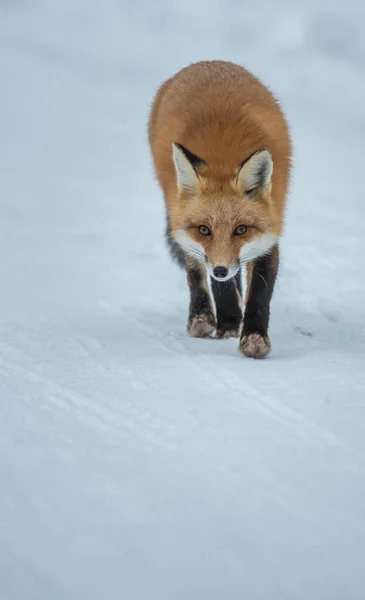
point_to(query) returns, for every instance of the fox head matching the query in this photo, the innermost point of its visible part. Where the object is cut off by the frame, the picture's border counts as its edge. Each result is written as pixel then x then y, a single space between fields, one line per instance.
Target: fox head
pixel 223 219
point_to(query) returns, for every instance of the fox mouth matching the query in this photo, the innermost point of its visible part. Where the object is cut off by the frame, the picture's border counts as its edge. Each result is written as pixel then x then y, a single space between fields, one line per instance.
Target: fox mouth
pixel 232 272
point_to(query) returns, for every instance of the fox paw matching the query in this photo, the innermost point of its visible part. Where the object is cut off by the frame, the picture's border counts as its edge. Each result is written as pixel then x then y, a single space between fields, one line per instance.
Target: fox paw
pixel 202 325
pixel 255 345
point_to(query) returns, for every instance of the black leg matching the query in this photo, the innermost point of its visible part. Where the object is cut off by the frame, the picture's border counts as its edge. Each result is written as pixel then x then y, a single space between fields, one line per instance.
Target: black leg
pixel 255 342
pixel 201 322
pixel 227 297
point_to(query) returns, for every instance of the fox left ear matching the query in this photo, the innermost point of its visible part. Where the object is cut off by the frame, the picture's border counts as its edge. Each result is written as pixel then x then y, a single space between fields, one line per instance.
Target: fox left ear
pixel 256 171
pixel 186 166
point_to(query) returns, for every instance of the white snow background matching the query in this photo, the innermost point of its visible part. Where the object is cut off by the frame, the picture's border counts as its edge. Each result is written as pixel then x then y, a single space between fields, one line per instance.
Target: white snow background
pixel 137 463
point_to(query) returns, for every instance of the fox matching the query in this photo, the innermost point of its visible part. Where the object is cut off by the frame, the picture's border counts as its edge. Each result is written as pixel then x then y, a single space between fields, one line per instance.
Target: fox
pixel 221 151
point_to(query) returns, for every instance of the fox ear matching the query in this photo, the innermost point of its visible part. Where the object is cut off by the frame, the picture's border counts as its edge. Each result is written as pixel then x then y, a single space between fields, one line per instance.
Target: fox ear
pixel 186 164
pixel 256 172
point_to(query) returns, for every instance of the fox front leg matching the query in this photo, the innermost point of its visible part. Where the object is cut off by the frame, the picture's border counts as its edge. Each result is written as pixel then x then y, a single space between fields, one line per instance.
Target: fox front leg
pixel 201 321
pixel 261 276
pixel 227 298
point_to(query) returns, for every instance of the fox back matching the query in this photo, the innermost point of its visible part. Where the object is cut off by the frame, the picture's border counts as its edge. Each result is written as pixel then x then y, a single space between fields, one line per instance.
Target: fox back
pixel 221 152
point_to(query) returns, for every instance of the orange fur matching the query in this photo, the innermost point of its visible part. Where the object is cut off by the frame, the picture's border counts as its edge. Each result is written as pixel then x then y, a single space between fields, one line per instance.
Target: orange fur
pixel 223 114
pixel 222 153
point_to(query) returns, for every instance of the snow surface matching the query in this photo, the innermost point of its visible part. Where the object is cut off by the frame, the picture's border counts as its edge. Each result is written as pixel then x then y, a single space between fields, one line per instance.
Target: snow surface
pixel 136 462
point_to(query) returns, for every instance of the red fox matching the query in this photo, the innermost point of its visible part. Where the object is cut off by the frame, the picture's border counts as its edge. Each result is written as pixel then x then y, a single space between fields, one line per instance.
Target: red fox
pixel 222 154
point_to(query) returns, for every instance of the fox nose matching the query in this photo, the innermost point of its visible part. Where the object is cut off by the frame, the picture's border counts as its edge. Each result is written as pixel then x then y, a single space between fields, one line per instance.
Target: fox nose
pixel 220 272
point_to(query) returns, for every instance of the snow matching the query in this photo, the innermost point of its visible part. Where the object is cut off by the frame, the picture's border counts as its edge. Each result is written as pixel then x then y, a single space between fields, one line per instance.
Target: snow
pixel 136 462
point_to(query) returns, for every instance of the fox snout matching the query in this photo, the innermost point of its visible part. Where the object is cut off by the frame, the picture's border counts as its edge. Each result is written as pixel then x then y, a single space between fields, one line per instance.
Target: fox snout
pixel 222 273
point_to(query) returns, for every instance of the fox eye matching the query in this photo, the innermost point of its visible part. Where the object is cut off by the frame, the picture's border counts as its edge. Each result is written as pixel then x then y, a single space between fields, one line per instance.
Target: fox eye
pixel 204 230
pixel 240 230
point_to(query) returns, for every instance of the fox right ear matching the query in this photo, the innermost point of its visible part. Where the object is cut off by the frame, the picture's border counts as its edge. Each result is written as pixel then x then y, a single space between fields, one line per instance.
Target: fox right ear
pixel 186 164
pixel 256 171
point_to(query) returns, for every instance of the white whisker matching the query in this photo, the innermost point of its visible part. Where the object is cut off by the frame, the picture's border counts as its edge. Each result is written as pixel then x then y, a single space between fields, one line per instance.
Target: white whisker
pixel 190 246
pixel 262 277
pixel 258 247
